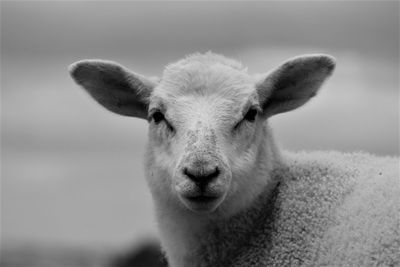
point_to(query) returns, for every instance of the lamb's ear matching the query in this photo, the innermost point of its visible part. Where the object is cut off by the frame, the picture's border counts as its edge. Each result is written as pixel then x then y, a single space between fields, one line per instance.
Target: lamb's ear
pixel 113 86
pixel 293 83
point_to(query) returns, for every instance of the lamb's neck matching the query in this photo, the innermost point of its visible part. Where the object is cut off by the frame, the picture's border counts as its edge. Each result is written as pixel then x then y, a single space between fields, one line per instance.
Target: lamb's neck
pixel 190 240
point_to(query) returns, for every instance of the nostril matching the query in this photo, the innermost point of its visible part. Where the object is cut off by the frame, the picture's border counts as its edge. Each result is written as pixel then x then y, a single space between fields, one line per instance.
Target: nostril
pixel 213 174
pixel 189 174
pixel 202 176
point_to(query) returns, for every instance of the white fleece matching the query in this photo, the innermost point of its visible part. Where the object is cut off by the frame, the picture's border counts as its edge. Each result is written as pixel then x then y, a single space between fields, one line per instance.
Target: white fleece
pixel 328 209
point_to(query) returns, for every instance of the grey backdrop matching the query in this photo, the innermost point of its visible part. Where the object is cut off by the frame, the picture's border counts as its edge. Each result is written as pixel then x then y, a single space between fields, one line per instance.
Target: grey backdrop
pixel 72 172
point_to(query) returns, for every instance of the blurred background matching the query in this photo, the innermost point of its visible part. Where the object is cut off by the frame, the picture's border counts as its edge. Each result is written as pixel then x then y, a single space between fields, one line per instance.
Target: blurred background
pixel 72 184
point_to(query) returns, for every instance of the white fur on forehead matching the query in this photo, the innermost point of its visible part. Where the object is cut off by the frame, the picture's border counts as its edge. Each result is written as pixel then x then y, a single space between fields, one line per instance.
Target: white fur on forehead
pixel 206 74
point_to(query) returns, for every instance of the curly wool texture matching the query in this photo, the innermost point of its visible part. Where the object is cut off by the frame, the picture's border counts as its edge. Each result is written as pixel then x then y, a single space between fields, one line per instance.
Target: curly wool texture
pixel 329 209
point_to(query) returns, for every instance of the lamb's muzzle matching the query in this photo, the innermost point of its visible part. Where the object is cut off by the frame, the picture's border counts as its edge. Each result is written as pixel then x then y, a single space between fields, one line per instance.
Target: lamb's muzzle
pixel 202 183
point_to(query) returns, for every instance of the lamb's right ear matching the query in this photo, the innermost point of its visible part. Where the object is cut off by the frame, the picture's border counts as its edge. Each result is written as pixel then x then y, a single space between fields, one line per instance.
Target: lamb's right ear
pixel 113 86
pixel 293 83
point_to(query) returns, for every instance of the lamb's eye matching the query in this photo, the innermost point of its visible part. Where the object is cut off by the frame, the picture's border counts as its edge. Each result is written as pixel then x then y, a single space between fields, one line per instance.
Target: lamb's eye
pixel 158 117
pixel 251 115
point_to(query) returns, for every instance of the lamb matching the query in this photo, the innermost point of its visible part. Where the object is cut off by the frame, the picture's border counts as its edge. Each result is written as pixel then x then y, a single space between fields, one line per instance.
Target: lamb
pixel 225 194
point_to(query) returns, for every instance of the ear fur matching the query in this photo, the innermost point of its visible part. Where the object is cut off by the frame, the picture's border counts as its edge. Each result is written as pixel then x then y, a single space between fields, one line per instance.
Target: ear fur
pixel 292 84
pixel 113 86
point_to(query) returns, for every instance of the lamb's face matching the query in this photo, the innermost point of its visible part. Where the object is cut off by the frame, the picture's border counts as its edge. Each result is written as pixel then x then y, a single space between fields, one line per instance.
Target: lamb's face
pixel 204 136
pixel 206 122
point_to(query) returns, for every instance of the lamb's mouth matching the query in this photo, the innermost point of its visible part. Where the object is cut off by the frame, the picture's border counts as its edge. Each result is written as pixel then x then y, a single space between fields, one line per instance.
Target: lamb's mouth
pixel 202 198
pixel 202 202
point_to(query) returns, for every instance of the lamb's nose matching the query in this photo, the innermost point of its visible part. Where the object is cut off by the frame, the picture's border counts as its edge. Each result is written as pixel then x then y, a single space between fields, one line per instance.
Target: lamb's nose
pixel 202 176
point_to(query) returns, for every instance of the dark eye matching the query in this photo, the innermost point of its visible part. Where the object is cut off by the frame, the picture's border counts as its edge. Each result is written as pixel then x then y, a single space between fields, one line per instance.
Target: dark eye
pixel 250 115
pixel 158 117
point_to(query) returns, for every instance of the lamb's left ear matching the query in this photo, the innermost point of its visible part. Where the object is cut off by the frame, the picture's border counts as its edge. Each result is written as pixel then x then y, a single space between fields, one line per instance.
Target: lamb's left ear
pixel 293 83
pixel 114 87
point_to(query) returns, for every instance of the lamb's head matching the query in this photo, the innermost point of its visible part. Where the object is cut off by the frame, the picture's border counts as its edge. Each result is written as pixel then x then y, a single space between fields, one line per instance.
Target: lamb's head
pixel 206 122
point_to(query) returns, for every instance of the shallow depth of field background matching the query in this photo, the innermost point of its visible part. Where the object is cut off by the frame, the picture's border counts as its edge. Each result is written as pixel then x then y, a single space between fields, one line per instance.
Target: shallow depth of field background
pixel 72 172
